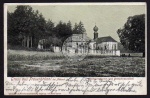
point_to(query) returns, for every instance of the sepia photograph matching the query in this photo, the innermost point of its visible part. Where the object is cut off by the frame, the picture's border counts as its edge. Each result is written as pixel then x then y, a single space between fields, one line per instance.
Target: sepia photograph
pixel 75 48
pixel 76 40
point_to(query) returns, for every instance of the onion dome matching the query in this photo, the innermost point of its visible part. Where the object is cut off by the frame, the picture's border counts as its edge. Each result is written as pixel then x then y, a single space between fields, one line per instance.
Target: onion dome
pixel 95 28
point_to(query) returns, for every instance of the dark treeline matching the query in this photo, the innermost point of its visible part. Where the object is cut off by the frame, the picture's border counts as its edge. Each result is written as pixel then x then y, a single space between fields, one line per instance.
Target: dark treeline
pixel 132 35
pixel 27 26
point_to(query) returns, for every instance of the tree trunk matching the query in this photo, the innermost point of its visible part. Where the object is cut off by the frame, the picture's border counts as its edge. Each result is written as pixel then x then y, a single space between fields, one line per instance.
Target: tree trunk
pixel 23 42
pixel 31 41
pixel 143 54
pixel 28 41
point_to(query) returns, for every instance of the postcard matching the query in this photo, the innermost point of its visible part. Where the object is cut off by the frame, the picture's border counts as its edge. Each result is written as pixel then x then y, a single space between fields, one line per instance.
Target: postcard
pixel 75 48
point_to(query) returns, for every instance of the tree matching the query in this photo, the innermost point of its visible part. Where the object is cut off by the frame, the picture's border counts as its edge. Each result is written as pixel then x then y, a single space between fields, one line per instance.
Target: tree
pixel 12 34
pixel 69 28
pixel 132 35
pixel 25 26
pixel 23 20
pixel 49 28
pixel 63 30
pixel 79 28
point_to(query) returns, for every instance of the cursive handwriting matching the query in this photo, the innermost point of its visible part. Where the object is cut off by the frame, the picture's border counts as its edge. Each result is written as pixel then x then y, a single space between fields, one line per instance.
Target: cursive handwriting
pixel 71 85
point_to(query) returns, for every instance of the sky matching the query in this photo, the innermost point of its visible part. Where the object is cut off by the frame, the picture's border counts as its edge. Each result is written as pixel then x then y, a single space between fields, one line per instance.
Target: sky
pixel 108 18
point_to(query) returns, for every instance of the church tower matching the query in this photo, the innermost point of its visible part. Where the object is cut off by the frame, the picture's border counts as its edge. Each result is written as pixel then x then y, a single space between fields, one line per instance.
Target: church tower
pixel 95 32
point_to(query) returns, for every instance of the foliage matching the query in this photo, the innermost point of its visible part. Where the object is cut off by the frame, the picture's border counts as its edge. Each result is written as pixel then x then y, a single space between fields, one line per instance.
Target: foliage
pixel 25 21
pixel 63 30
pixel 52 41
pixel 132 35
pixel 79 28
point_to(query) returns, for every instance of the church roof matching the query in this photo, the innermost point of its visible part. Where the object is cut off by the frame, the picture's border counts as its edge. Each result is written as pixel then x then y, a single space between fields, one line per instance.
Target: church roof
pixel 105 39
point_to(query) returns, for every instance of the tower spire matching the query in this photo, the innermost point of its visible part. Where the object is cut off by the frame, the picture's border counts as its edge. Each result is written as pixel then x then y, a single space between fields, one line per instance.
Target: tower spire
pixel 95 32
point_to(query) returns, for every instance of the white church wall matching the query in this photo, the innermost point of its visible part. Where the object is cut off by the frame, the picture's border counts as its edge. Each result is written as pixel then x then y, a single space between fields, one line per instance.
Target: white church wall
pixel 111 49
pixel 109 45
pixel 118 52
pixel 92 45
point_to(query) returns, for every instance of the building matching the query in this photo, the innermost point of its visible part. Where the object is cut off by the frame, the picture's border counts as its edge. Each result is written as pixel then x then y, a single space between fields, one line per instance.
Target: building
pixel 103 45
pixel 41 44
pixel 53 48
pixel 77 43
pixel 81 43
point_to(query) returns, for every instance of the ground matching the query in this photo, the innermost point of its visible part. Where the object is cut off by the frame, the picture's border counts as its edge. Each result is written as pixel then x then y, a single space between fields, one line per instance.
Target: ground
pixel 47 64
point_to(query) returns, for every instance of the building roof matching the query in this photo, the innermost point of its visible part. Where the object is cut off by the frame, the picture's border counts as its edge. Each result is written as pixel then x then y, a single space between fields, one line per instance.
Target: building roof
pixel 83 36
pixel 105 39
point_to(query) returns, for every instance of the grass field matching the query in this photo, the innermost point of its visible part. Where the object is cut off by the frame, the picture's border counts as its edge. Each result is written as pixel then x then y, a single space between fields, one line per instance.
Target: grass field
pixel 46 64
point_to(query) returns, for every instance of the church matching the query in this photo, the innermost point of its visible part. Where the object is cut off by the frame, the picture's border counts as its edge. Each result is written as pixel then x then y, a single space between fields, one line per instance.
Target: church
pixel 103 45
pixel 81 43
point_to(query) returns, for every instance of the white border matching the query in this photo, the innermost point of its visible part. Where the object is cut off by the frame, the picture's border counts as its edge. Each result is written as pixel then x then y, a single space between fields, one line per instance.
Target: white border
pixel 82 3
